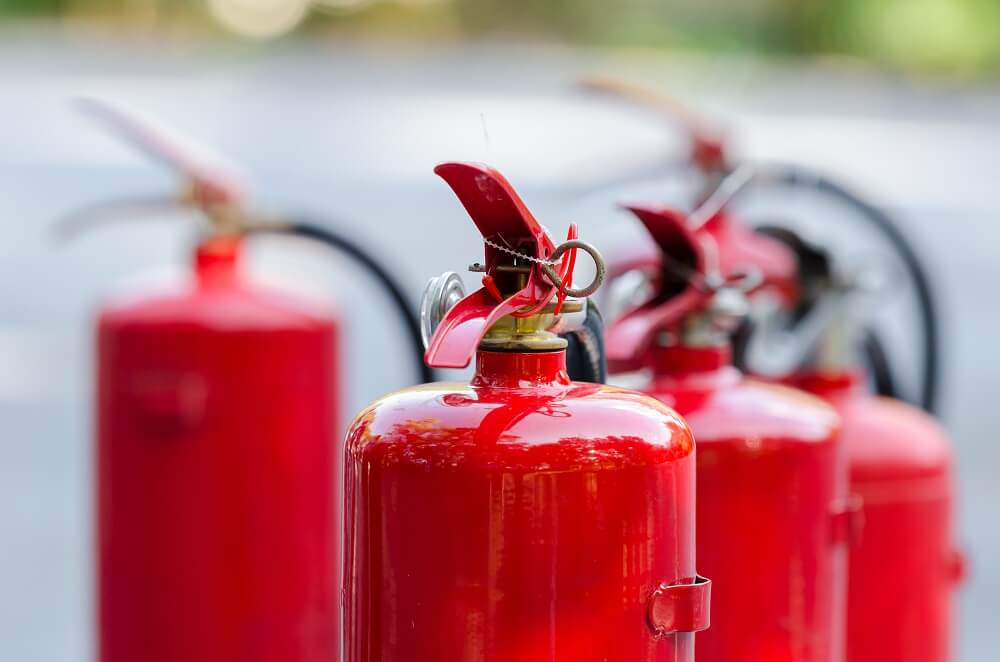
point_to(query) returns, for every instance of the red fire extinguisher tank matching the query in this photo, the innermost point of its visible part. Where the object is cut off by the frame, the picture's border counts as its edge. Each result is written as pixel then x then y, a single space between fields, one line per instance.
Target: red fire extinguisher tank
pixel 904 567
pixel 521 516
pixel 771 480
pixel 216 535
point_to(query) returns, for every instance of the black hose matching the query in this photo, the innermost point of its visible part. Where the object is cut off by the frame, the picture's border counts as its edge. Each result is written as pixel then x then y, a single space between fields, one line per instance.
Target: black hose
pixel 878 364
pixel 739 340
pixel 585 357
pixel 338 242
pixel 796 178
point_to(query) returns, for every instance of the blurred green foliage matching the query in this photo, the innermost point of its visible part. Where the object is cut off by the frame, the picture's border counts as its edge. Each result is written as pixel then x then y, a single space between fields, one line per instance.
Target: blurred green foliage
pixel 945 36
pixel 27 7
pixel 956 35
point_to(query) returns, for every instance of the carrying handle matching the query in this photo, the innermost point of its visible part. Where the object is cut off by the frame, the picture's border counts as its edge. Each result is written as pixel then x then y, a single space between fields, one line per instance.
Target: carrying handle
pixel 211 183
pixel 679 290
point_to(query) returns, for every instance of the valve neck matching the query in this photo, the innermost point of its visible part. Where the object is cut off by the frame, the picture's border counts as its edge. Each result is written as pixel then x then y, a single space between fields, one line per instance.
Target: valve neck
pixel 531 333
pixel 520 369
pixel 674 360
pixel 217 260
pixel 837 349
pixel 699 330
pixel 829 384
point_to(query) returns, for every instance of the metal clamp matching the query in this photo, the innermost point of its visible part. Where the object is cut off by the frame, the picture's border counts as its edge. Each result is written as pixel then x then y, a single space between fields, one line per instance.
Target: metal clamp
pixel 684 607
pixel 957 566
pixel 848 520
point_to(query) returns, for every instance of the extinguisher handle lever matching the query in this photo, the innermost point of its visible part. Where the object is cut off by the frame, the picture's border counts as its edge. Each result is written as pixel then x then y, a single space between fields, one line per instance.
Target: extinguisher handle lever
pixel 211 184
pixel 523 269
pixel 495 208
pixel 213 179
pixel 708 147
pixel 682 264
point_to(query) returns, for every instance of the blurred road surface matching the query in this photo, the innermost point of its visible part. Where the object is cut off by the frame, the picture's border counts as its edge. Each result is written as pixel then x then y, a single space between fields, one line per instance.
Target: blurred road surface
pixel 348 132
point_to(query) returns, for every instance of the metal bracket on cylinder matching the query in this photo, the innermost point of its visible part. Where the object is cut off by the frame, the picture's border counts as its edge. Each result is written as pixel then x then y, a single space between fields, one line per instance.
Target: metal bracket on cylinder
pixel 171 403
pixel 848 520
pixel 957 566
pixel 683 607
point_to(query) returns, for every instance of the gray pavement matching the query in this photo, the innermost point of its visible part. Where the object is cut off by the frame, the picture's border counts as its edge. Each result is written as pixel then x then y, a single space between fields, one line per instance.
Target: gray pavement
pixel 348 132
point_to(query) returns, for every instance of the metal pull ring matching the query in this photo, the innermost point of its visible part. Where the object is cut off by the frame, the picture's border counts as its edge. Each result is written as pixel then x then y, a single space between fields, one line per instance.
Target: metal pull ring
pixel 553 276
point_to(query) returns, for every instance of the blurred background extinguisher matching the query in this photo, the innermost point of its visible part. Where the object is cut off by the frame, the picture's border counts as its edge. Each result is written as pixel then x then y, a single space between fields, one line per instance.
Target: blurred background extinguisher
pixel 904 567
pixel 812 326
pixel 773 515
pixel 217 431
pixel 734 198
pixel 522 516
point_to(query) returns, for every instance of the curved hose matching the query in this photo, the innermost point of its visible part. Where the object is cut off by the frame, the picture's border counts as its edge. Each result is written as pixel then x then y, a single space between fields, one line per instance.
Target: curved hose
pixel 878 364
pixel 797 178
pixel 342 244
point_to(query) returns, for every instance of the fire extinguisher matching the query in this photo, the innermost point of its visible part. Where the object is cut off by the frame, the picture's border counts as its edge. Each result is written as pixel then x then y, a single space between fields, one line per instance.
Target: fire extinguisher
pixel 905 566
pixel 522 516
pixel 773 517
pixel 216 436
pixel 722 176
pixel 737 246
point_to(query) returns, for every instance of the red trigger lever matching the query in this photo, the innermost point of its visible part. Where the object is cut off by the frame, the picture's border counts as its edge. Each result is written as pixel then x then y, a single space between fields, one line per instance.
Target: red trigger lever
pixel 566 267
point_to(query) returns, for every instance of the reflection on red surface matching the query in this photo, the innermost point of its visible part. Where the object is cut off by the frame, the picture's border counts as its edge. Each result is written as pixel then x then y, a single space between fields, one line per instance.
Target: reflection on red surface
pixel 521 517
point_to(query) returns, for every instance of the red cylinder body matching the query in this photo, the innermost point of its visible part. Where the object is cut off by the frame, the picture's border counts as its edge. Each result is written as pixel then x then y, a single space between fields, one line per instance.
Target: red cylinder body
pixel 521 517
pixel 216 536
pixel 904 567
pixel 771 481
